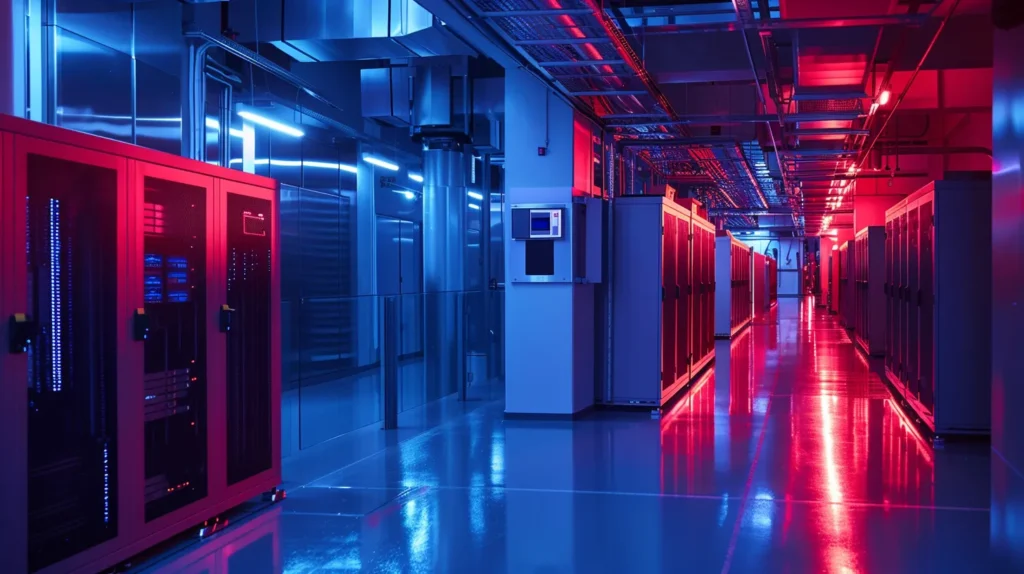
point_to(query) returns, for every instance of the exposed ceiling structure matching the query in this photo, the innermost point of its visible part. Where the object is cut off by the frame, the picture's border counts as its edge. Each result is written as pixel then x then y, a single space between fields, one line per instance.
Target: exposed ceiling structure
pixel 778 106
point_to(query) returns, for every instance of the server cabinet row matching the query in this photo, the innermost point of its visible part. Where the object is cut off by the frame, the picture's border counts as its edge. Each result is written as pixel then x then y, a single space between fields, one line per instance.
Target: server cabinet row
pixel 141 357
pixel 937 289
pixel 869 290
pixel 734 266
pixel 663 299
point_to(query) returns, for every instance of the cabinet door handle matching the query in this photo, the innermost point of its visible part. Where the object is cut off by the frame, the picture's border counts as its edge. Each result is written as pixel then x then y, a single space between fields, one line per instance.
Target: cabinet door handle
pixel 21 331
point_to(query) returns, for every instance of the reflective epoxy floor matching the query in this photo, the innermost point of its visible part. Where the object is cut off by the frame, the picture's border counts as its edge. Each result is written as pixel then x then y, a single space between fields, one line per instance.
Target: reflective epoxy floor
pixel 788 457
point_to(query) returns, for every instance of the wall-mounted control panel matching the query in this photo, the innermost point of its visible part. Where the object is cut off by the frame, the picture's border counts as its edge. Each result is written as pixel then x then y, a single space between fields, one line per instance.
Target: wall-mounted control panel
pixel 556 242
pixel 538 223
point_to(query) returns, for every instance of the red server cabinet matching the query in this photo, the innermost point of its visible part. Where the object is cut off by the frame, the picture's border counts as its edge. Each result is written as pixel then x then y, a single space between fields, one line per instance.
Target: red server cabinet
pixel 759 282
pixel 658 301
pixel 773 282
pixel 847 302
pixel 141 386
pixel 937 294
pixel 870 324
pixel 704 289
pixel 733 267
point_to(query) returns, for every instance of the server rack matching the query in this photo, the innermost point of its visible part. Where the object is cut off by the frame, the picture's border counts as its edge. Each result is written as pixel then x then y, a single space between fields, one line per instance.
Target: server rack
pixel 759 282
pixel 141 348
pixel 663 300
pixel 734 266
pixel 847 302
pixel 773 282
pixel 937 293
pixel 870 322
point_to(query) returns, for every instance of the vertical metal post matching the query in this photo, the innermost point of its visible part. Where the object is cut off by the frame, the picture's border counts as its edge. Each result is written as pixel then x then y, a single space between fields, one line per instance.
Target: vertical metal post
pixel 485 251
pixel 460 335
pixel 389 361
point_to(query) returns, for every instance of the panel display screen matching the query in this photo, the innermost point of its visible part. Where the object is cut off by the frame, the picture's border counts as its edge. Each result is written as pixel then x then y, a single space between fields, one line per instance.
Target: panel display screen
pixel 546 223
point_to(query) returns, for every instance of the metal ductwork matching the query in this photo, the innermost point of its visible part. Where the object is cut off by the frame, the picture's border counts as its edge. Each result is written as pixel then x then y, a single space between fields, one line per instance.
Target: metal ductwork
pixel 340 30
pixel 386 95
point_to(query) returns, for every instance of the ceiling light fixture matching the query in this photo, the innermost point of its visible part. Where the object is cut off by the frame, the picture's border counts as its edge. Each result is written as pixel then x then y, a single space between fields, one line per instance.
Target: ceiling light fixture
pixel 883 98
pixel 416 177
pixel 269 123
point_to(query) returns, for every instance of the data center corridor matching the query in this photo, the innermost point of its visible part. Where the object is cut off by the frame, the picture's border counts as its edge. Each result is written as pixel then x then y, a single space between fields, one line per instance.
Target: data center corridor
pixel 789 457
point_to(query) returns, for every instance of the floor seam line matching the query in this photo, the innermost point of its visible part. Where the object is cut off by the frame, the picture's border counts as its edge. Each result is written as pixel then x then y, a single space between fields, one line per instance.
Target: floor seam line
pixel 426 433
pixel 731 549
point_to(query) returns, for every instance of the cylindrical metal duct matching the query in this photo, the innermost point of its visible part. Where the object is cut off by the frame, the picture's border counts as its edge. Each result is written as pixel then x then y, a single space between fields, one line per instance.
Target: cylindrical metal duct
pixel 444 264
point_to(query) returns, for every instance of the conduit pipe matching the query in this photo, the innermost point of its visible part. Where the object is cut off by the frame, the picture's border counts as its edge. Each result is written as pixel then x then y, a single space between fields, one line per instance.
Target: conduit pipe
pixel 906 89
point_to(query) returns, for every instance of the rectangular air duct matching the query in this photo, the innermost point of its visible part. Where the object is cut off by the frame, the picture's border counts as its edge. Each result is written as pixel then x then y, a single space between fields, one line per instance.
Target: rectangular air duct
pixel 385 95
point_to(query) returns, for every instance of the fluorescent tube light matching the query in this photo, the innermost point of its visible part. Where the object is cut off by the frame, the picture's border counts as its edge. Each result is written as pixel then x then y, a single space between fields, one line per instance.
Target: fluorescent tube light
pixel 269 123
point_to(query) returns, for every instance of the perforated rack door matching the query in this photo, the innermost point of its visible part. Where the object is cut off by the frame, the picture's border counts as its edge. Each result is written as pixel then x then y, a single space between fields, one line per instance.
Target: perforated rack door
pixel 171 277
pixel 251 296
pixel 66 258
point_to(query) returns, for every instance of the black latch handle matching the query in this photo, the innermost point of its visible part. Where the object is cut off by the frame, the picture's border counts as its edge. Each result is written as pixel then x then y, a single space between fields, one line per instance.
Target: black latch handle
pixel 227 315
pixel 21 331
pixel 140 324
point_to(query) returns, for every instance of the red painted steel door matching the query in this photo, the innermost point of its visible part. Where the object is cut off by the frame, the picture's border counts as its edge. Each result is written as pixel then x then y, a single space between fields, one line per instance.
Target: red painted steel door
pixel 683 354
pixel 913 290
pixel 69 272
pixel 926 369
pixel 890 313
pixel 668 300
pixel 247 254
pixel 698 292
pixel 171 277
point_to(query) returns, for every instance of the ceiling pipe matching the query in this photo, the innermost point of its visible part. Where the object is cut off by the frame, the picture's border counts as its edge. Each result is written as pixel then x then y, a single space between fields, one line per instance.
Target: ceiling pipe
pixel 882 175
pixel 725 211
pixel 745 15
pixel 945 150
pixel 899 100
pixel 739 119
pixel 785 24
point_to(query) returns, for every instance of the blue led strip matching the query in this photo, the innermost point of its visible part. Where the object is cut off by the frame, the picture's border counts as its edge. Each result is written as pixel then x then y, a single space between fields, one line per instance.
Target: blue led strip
pixel 106 483
pixel 56 319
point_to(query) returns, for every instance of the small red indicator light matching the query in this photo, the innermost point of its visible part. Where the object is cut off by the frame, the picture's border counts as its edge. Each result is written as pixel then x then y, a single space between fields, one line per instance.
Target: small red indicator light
pixel 542 151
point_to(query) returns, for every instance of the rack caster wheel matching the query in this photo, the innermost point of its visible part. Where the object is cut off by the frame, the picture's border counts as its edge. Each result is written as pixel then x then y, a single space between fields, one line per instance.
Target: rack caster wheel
pixel 274 495
pixel 211 527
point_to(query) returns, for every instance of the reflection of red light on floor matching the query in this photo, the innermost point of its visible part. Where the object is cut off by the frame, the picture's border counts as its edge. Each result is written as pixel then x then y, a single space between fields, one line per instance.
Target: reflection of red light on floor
pixel 911 429
pixel 686 403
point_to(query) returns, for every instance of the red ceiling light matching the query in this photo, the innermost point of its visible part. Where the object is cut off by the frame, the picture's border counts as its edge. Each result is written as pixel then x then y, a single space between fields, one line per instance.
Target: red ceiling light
pixel 883 98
